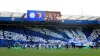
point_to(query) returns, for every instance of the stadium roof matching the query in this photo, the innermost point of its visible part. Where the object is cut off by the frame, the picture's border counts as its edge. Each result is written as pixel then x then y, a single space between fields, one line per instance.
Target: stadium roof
pixel 68 17
pixel 80 17
pixel 12 14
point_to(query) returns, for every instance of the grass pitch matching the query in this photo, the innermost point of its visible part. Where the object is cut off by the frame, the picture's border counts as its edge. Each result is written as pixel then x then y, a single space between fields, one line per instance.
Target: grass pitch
pixel 49 52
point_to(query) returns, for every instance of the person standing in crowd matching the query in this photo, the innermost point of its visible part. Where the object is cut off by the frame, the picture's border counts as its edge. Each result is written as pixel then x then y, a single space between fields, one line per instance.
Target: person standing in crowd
pixel 9 42
pixel 73 45
pixel 66 45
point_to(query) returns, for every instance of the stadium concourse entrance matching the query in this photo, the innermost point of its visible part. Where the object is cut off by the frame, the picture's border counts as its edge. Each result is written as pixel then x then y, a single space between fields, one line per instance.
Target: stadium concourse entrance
pixel 49 35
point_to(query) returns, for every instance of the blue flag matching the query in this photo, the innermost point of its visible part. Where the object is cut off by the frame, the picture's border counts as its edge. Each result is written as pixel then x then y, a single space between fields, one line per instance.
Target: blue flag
pixel 33 15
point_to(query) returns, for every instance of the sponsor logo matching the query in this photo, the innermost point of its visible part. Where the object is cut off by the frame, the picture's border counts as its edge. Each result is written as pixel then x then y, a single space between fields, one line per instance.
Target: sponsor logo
pixel 39 15
pixel 32 15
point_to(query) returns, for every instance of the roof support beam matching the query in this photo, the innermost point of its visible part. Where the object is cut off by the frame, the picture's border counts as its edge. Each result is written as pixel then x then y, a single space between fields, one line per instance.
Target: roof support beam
pixel 79 17
pixel 11 14
pixel 69 17
pixel 90 18
pixel 23 15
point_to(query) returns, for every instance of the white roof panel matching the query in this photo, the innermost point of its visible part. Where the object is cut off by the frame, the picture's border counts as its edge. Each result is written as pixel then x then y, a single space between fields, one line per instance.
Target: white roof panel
pixel 84 18
pixel 5 14
pixel 17 15
pixel 74 17
pixel 65 16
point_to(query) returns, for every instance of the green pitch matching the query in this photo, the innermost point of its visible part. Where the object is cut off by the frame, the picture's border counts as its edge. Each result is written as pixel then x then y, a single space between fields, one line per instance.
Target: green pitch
pixel 49 52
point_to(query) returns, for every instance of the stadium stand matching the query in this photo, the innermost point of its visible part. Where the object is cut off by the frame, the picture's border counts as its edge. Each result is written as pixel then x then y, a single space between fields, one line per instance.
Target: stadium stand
pixel 48 35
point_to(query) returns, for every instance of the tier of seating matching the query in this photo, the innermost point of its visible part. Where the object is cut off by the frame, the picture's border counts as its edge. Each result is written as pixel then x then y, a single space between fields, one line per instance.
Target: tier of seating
pixel 95 35
pixel 47 35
